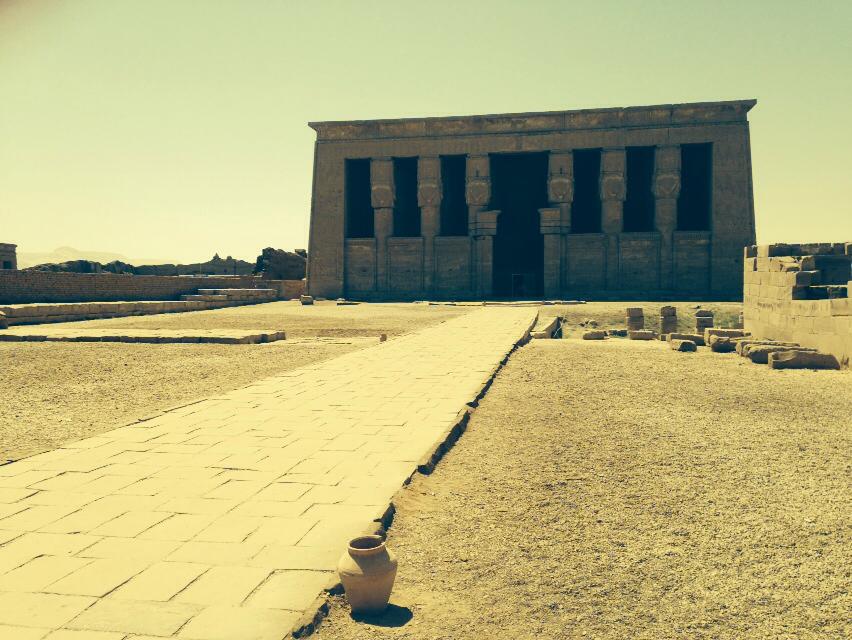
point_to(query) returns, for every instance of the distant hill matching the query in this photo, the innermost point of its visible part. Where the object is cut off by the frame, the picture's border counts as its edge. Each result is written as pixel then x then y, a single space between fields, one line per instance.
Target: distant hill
pixel 70 254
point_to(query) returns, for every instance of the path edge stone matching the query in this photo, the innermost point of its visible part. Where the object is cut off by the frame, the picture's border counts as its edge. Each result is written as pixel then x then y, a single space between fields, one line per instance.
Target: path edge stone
pixel 313 616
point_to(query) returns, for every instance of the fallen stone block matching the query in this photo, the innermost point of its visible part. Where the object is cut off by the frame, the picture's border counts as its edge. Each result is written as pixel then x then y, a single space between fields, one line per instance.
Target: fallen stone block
pixel 744 344
pixel 722 344
pixel 545 328
pixel 306 300
pixel 595 335
pixel 802 359
pixel 697 338
pixel 727 333
pixel 759 353
pixel 683 345
pixel 641 335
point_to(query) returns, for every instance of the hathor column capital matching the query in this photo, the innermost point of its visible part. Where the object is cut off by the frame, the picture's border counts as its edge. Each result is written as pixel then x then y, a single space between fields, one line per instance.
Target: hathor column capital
pixel 381 183
pixel 560 179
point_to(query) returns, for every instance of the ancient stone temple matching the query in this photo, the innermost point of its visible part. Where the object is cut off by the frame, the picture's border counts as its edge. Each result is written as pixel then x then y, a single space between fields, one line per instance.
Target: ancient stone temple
pixel 599 203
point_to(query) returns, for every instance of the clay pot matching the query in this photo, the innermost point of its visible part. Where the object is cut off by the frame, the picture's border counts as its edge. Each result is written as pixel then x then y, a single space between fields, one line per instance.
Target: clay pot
pixel 367 571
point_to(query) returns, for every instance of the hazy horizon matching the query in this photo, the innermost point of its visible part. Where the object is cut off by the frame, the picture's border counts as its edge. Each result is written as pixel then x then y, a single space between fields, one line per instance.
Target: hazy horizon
pixel 163 129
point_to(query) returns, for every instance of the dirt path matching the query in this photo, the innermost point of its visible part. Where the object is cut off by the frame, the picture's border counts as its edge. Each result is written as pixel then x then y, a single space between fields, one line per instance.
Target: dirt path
pixel 621 490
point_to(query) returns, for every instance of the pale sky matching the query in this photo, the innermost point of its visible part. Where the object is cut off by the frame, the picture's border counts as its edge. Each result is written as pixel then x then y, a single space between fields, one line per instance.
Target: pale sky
pixel 178 128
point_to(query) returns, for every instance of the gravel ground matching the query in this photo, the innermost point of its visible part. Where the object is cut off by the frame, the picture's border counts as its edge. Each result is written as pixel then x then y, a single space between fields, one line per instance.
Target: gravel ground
pixel 53 393
pixel 621 490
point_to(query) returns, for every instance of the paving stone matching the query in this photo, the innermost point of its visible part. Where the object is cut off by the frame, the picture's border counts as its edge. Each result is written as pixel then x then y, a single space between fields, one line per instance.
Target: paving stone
pixel 130 524
pixel 39 572
pixel 22 633
pixel 98 577
pixel 40 609
pixel 224 585
pixel 131 616
pixel 225 518
pixel 294 590
pixel 239 623
pixel 70 634
pixel 161 581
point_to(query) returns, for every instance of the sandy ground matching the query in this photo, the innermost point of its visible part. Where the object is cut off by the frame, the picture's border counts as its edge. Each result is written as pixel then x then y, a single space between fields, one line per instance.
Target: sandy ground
pixel 53 393
pixel 621 490
pixel 320 319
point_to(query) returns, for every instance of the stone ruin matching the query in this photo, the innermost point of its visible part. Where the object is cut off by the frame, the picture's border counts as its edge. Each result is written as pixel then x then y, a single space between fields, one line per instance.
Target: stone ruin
pixel 277 264
pixel 8 256
pixel 799 294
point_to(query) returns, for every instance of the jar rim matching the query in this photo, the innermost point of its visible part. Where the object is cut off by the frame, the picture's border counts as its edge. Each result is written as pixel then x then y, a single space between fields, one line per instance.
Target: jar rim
pixel 366 545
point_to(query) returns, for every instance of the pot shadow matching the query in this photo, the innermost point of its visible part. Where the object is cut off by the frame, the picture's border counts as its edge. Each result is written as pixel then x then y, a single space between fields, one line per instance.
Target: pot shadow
pixel 393 616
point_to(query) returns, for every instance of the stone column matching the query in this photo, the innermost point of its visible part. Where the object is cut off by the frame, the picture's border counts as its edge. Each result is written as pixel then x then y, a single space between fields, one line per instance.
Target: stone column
pixel 483 251
pixel 613 191
pixel 382 197
pixel 560 193
pixel 478 196
pixel 666 191
pixel 550 225
pixel 429 199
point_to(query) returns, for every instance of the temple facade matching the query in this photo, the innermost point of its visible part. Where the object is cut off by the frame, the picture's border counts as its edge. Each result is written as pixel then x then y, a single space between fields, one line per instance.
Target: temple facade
pixel 640 202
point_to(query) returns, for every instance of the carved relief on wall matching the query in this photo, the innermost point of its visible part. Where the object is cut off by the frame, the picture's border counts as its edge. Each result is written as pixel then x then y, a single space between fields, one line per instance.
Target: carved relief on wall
pixel 666 184
pixel 613 187
pixel 560 182
pixel 381 181
pixel 428 181
pixel 478 192
pixel 381 196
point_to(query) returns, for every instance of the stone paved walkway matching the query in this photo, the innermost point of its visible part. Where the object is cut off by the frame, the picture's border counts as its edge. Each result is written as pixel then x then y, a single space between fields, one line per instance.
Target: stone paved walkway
pixel 225 519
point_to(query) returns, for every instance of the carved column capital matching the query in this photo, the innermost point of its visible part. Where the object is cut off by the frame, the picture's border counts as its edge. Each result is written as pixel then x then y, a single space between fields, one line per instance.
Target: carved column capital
pixel 613 186
pixel 560 180
pixel 381 183
pixel 478 181
pixel 429 191
pixel 667 172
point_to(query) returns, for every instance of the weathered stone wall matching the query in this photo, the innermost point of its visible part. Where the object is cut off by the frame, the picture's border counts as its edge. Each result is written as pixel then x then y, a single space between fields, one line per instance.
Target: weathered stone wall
pixel 800 293
pixel 661 263
pixel 8 256
pixel 17 287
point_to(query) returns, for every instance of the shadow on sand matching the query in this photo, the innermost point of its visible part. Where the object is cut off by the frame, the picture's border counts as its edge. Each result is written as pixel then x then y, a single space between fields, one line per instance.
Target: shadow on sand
pixel 393 616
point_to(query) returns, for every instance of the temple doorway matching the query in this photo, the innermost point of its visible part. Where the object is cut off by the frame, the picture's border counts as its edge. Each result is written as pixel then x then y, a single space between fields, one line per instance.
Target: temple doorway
pixel 519 190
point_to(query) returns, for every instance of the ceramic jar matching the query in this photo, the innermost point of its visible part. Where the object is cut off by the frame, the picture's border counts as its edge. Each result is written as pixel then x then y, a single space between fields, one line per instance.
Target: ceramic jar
pixel 367 570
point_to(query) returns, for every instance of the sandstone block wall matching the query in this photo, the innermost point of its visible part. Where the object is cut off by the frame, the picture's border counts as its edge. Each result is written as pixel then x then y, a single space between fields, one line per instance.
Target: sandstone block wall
pixel 800 293
pixel 21 287
pixel 8 256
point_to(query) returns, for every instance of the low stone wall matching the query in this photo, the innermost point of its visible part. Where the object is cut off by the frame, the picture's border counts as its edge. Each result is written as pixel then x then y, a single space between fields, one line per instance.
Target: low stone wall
pixel 20 287
pixel 800 293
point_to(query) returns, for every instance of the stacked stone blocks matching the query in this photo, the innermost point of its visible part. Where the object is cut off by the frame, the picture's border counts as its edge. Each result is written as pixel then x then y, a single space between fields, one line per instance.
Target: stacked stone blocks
pixel 800 293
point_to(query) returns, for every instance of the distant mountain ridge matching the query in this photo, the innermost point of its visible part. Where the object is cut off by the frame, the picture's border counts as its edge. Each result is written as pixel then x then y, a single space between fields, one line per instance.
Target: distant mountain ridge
pixel 70 254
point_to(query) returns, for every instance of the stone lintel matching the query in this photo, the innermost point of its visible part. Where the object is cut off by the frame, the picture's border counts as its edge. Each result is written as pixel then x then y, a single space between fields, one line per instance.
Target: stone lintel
pixel 698 113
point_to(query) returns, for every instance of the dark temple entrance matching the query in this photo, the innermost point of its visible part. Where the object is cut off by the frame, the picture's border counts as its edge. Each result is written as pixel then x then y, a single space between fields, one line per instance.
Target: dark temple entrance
pixel 519 190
